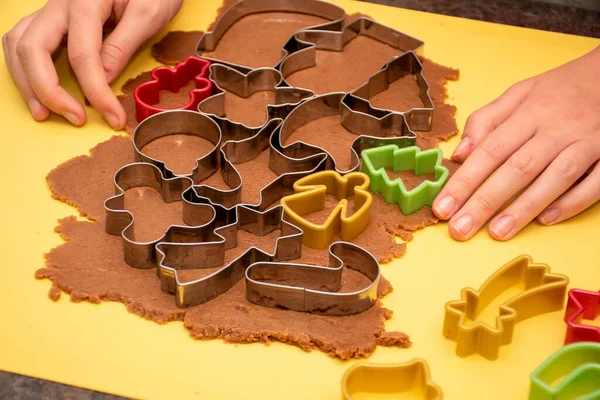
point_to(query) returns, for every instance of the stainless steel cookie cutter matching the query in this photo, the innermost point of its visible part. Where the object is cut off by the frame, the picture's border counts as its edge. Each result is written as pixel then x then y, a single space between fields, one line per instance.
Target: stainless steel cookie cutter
pixel 175 256
pixel 227 79
pixel 209 41
pixel 302 48
pixel 319 293
pixel 119 221
pixel 419 119
pixel 373 128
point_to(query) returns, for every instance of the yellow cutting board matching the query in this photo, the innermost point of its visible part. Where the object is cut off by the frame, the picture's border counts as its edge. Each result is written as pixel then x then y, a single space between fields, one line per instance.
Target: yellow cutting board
pixel 104 347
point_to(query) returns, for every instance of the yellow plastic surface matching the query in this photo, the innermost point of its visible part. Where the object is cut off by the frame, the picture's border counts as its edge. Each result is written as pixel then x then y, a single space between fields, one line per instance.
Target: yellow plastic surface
pixel 104 347
pixel 310 196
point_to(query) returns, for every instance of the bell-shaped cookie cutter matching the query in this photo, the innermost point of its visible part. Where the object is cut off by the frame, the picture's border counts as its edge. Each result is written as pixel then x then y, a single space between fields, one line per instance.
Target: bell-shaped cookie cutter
pixel 582 304
pixel 192 69
pixel 243 8
pixel 377 159
pixel 576 368
pixel 310 195
pixel 543 292
pixel 389 379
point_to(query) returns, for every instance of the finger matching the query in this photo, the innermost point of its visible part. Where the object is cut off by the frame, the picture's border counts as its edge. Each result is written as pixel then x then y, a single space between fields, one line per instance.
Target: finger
pixel 129 34
pixel 493 151
pixel 40 39
pixel 85 41
pixel 483 121
pixel 515 174
pixel 576 200
pixel 9 44
pixel 562 173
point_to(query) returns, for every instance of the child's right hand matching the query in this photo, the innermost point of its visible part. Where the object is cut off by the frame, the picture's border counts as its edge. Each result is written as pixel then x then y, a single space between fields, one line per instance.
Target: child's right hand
pixel 29 46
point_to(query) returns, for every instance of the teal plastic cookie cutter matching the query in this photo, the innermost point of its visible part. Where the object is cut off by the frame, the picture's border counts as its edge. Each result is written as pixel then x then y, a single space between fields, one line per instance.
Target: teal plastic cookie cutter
pixel 576 368
pixel 375 160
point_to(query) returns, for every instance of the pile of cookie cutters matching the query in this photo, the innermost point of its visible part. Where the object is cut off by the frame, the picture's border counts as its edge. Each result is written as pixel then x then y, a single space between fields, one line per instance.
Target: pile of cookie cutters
pixel 305 173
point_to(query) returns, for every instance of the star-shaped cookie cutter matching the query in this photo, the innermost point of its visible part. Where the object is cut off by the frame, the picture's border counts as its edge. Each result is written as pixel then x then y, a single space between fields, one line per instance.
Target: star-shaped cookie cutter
pixel 371 130
pixel 377 159
pixel 582 304
pixel 576 367
pixel 419 119
pixel 302 47
pixel 243 8
pixel 543 292
pixel 310 195
pixel 390 379
pixel 192 69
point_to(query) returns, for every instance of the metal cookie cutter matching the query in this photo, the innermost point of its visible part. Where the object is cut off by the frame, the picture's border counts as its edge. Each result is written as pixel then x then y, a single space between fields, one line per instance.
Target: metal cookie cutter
pixel 303 46
pixel 311 193
pixel 419 119
pixel 377 159
pixel 372 130
pixel 390 379
pixel 119 221
pixel 175 256
pixel 244 85
pixel 582 305
pixel 543 292
pixel 192 69
pixel 210 40
pixel 576 367
pixel 315 289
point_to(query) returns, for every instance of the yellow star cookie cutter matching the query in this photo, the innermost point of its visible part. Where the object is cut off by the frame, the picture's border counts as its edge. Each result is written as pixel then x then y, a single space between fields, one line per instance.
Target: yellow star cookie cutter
pixel 310 196
pixel 543 292
pixel 366 378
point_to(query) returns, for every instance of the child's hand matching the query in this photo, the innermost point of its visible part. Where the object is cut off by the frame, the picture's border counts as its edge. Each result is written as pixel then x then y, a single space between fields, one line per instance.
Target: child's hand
pixel 543 132
pixel 29 46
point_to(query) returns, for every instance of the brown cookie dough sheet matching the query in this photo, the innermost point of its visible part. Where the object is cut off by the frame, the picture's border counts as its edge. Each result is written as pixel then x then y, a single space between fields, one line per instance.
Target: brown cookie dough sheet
pixel 90 266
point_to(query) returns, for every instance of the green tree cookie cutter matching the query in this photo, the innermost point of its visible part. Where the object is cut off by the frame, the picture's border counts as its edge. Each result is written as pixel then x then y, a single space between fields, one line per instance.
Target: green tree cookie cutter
pixel 578 365
pixel 375 160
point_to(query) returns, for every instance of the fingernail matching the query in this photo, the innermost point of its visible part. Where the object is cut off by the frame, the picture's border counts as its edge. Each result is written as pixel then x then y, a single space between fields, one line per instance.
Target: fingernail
pixel 35 106
pixel 462 146
pixel 112 120
pixel 502 228
pixel 463 225
pixel 72 118
pixel 444 206
pixel 549 216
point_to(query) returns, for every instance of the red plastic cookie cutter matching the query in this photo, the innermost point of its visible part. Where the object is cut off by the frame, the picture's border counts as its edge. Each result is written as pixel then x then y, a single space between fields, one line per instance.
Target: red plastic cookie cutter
pixel 191 69
pixel 582 305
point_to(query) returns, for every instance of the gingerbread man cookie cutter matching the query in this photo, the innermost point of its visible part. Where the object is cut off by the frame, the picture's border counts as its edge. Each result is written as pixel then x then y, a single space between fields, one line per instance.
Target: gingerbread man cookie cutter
pixel 390 379
pixel 310 195
pixel 243 8
pixel 543 292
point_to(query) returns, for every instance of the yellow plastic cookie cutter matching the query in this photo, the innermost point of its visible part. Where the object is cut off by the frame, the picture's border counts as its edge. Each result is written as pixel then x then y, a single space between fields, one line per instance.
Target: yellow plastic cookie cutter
pixel 543 293
pixel 310 196
pixel 364 379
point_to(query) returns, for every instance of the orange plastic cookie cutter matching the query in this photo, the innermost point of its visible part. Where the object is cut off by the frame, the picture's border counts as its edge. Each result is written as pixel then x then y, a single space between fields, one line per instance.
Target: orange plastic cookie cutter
pixel 365 379
pixel 310 196
pixel 542 293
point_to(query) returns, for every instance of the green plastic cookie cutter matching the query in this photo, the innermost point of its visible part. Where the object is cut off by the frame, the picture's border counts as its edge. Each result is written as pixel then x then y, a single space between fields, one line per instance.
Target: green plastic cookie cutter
pixel 576 368
pixel 377 159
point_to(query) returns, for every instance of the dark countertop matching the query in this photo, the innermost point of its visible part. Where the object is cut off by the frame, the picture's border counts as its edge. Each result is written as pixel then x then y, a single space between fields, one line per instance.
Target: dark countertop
pixel 546 15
